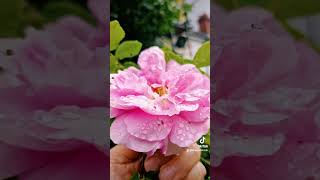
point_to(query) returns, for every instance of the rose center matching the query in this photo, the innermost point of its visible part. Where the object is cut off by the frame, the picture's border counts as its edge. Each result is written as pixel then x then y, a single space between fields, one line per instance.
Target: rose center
pixel 160 90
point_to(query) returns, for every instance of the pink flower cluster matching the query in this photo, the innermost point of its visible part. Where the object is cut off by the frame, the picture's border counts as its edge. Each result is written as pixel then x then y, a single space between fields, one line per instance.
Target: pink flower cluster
pixel 159 106
pixel 266 100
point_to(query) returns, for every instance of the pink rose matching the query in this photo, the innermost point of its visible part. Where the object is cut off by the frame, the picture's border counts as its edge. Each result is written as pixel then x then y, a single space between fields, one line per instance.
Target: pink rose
pixel 159 105
pixel 52 124
pixel 265 101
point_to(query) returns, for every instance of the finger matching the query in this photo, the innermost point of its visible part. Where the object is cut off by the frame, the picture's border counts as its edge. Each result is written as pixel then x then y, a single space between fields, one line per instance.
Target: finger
pixel 153 163
pixel 197 172
pixel 123 163
pixel 121 154
pixel 180 166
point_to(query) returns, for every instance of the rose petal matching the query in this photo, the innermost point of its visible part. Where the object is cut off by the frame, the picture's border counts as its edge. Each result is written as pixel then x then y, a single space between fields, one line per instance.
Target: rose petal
pixel 148 127
pixel 152 63
pixel 120 135
pixel 184 133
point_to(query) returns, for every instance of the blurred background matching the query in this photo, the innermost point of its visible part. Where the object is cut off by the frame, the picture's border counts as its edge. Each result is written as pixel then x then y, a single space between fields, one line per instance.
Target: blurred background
pixel 37 13
pixel 301 18
pixel 181 25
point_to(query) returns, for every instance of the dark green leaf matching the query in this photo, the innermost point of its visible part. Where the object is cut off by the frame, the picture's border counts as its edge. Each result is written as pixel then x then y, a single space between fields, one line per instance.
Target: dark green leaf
pixel 135 176
pixel 130 64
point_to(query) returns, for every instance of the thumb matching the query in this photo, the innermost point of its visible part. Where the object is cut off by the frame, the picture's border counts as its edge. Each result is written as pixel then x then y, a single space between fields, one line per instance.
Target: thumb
pixel 123 162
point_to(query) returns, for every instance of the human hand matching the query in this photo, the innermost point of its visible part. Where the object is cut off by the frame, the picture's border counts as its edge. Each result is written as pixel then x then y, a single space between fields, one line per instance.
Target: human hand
pixel 125 162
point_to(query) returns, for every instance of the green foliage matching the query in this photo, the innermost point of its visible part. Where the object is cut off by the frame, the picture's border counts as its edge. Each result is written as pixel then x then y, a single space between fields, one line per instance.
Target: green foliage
pixel 129 64
pixel 16 15
pixel 170 55
pixel 281 8
pixel 146 19
pixel 202 57
pixel 135 176
pixel 11 17
pixel 116 34
pixel 114 64
pixel 56 9
pixel 128 49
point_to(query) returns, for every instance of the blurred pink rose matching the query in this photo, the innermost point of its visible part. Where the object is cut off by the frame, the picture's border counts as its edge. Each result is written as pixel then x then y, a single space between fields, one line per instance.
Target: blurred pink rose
pixel 53 123
pixel 159 105
pixel 266 89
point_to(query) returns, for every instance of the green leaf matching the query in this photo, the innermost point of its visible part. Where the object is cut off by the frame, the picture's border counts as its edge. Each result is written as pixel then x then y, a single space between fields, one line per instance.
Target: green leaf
pixel 205 161
pixel 116 34
pixel 207 138
pixel 187 7
pixel 128 49
pixel 202 57
pixel 170 55
pixel 135 176
pixel 54 10
pixel 114 64
pixel 130 64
